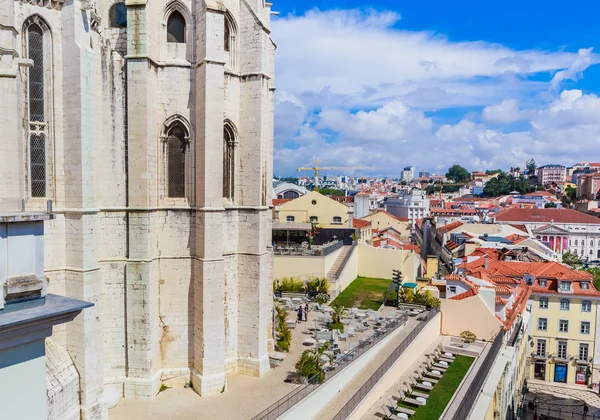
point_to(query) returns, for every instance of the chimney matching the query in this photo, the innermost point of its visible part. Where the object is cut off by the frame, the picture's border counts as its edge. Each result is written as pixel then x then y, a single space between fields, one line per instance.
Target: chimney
pixel 485 263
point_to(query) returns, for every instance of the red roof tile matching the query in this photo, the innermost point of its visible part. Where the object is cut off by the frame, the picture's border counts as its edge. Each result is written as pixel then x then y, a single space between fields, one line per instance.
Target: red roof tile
pixel 359 223
pixel 545 216
pixel 464 295
pixel 450 226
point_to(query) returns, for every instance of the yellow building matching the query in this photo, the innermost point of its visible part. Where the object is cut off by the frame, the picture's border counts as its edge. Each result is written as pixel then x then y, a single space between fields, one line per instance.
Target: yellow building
pixel 315 208
pixel 382 219
pixel 563 328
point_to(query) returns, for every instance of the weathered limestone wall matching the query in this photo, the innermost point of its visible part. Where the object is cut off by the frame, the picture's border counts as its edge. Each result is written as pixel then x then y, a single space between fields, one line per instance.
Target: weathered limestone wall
pixel 181 287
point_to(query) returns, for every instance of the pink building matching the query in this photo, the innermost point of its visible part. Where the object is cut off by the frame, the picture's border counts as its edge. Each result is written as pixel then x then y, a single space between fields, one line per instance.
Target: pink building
pixel 549 174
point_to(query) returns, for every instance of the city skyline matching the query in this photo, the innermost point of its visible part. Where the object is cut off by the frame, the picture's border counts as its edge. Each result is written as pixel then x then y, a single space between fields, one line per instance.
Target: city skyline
pixel 460 88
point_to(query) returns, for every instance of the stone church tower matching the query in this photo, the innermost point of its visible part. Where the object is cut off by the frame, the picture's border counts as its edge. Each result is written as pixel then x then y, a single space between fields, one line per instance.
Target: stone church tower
pixel 148 128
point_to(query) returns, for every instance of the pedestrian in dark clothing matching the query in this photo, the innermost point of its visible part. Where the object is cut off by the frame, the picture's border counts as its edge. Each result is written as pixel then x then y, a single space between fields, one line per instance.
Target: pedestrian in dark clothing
pixel 299 313
pixel 535 416
pixel 585 409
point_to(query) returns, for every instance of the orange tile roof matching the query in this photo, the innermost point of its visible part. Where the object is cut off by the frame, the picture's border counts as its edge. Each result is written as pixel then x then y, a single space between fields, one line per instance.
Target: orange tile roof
pixel 280 201
pixel 401 219
pixel 450 226
pixel 545 216
pixel 452 277
pixel 359 223
pixel 501 301
pixel 515 238
pixel 464 295
pixel 520 227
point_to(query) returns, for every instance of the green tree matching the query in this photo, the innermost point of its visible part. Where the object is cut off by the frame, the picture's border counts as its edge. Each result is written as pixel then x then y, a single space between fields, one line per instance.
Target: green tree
pixel 289 179
pixel 336 318
pixel 531 165
pixel 571 259
pixel 458 174
pixel 468 336
pixel 493 171
pixel 332 191
pixel 504 184
pixel 595 271
pixel 550 205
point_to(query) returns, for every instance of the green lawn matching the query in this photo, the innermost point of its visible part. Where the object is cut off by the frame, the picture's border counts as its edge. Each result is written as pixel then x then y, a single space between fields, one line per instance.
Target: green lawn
pixel 442 392
pixel 363 293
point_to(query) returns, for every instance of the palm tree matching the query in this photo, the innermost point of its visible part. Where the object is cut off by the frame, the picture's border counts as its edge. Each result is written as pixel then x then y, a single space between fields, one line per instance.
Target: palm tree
pixel 310 364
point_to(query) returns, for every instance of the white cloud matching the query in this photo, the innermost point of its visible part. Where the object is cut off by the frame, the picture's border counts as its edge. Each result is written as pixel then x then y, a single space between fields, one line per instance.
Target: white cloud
pixel 353 89
pixel 507 111
pixel 575 70
pixel 363 58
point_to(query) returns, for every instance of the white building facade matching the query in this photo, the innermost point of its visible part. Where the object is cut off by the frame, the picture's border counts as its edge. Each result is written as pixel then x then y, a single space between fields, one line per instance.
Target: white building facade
pixel 149 126
pixel 412 205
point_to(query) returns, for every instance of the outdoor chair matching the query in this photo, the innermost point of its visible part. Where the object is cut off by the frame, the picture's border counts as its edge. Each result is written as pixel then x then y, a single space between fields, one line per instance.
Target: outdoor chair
pixel 411 391
pixel 387 412
pixel 407 411
pixel 433 375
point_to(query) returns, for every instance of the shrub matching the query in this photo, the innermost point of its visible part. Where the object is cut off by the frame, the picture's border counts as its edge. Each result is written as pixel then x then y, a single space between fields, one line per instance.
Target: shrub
pixel 291 284
pixel 310 365
pixel 336 326
pixel 322 298
pixel 468 336
pixel 284 335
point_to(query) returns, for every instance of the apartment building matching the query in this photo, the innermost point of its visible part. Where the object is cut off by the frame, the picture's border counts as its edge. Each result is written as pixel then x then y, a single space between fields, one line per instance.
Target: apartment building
pixel 412 205
pixel 549 174
pixel 588 187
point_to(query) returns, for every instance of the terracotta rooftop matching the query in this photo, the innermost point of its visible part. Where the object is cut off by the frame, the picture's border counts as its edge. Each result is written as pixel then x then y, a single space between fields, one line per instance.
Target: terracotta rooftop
pixel 359 223
pixel 464 295
pixel 450 226
pixel 545 216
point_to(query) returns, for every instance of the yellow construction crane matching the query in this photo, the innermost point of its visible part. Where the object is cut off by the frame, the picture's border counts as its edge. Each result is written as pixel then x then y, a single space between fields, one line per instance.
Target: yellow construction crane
pixel 317 168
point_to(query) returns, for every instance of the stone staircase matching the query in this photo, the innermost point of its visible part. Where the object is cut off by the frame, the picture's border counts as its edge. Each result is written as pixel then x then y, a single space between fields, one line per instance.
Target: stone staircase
pixel 338 265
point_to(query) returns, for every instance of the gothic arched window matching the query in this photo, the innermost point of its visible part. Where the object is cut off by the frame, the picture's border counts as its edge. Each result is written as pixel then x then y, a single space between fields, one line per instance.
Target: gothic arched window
pixel 229 43
pixel 228 161
pixel 176 149
pixel 35 38
pixel 117 16
pixel 176 28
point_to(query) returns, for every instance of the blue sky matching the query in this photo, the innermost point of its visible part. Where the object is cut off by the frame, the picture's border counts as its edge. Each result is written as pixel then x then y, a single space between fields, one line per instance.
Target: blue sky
pixel 432 83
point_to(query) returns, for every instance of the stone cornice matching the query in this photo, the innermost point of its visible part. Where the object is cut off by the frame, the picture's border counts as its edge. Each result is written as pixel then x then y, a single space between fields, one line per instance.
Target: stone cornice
pixel 21 326
pixel 53 4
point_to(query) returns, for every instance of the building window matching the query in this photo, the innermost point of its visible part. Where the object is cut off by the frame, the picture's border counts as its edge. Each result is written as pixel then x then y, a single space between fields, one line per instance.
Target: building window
pixel 541 348
pixel 585 285
pixel 176 149
pixel 314 219
pixel 565 286
pixel 542 324
pixel 562 350
pixel 176 28
pixel 290 219
pixel 117 16
pixel 576 242
pixel 452 289
pixel 542 283
pixel 563 326
pixel 37 109
pixel 543 303
pixel 585 327
pixel 586 306
pixel 228 161
pixel 583 351
pixel 565 304
pixel 290 195
pixel 337 219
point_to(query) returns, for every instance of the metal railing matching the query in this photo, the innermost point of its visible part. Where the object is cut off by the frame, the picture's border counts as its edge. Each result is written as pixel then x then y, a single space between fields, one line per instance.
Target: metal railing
pixel 298 394
pixel 314 251
pixel 385 366
pixel 474 389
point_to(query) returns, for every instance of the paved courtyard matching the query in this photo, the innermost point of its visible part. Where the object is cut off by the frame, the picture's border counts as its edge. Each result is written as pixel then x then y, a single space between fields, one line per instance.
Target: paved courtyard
pixel 559 401
pixel 245 397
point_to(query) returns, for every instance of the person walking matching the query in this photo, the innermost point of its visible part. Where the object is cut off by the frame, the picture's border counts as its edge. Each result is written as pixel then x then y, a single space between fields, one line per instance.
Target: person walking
pixel 300 313
pixel 306 312
pixel 585 409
